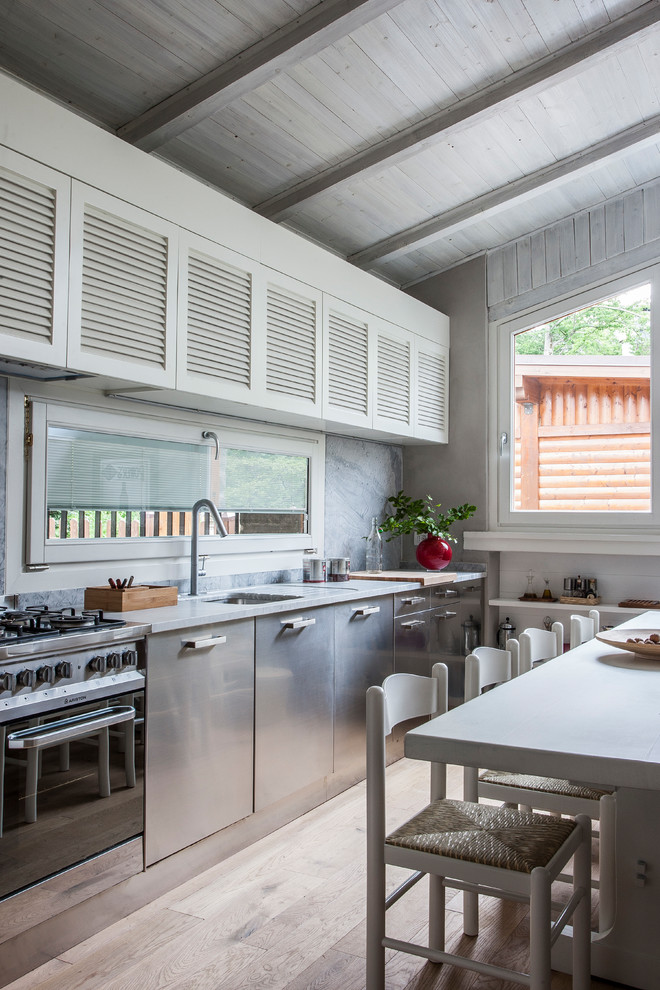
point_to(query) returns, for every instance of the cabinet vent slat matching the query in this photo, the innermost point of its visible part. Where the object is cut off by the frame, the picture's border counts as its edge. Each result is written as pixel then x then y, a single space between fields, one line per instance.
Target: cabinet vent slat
pixel 393 380
pixel 27 253
pixel 219 320
pixel 291 323
pixel 431 390
pixel 124 289
pixel 348 363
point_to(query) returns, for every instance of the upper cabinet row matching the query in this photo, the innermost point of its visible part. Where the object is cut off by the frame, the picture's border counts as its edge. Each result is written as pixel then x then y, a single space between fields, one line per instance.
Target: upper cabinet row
pixel 96 285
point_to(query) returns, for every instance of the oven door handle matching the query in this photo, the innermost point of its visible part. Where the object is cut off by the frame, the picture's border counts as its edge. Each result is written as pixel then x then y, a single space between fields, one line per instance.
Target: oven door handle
pixel 68 729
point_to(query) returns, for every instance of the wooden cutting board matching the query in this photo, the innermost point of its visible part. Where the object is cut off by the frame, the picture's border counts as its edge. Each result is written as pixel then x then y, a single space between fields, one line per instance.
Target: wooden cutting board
pixel 420 577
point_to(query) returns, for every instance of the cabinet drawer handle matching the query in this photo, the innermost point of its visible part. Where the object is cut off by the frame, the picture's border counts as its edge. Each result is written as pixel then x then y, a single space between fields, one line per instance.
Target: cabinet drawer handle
pixel 367 610
pixel 297 623
pixel 446 615
pixel 413 623
pixel 448 593
pixel 412 601
pixel 203 644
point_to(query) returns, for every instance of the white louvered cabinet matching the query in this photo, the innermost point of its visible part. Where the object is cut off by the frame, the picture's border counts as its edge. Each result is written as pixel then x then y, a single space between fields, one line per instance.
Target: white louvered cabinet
pixel 34 260
pixel 410 385
pixel 431 391
pixel 348 362
pixel 220 305
pixel 288 356
pixel 393 380
pixel 122 293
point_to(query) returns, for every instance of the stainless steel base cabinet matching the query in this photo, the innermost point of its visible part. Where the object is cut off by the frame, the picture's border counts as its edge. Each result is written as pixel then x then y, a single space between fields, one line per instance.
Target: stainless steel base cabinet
pixel 199 752
pixel 294 700
pixel 364 655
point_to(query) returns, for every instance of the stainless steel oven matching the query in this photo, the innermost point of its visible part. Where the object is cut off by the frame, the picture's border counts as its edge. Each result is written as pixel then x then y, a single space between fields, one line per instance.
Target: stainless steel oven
pixel 71 759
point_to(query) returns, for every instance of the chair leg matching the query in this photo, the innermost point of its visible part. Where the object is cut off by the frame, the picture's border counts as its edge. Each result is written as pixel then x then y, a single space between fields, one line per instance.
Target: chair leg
pixel 539 930
pixel 582 914
pixel 375 925
pixel 436 913
pixel 607 862
pixel 470 913
pixel 104 763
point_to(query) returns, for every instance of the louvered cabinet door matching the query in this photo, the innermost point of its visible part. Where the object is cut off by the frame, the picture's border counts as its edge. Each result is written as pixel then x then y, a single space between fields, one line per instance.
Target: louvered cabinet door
pixel 393 388
pixel 431 391
pixel 217 313
pixel 347 363
pixel 288 363
pixel 122 301
pixel 34 260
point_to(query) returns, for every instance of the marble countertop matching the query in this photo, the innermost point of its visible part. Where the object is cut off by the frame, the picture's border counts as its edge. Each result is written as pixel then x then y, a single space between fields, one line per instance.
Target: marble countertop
pixel 202 610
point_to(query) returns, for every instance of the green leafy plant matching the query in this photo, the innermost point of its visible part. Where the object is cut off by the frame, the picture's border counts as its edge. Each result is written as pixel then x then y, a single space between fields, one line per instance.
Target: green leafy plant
pixel 422 515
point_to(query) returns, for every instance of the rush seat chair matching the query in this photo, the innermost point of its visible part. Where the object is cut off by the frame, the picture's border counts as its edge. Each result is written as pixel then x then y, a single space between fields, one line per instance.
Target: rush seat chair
pixel 583 628
pixel 498 852
pixel 487 667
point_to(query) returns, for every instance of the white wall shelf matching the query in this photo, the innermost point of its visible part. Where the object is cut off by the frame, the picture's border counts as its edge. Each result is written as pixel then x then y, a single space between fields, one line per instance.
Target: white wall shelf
pixel 511 603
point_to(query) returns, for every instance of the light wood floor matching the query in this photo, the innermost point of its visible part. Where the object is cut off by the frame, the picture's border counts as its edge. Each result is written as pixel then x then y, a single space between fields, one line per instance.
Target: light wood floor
pixel 288 914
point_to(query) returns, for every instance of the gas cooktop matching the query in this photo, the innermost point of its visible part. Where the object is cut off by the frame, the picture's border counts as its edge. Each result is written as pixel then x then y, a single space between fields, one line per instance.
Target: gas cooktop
pixel 40 621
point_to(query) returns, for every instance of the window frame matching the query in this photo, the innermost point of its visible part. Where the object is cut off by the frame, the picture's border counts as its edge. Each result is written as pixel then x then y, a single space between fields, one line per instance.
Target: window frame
pixel 27 547
pixel 503 515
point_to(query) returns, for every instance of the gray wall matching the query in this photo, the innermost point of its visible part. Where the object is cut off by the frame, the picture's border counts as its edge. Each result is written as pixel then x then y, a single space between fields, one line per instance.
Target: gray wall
pixel 458 472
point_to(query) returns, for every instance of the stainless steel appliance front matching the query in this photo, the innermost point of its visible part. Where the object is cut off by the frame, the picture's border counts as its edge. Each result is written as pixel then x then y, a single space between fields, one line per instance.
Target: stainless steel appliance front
pixel 71 768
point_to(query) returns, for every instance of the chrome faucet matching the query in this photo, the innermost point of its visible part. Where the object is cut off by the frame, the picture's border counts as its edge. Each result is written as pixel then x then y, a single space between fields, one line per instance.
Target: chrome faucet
pixel 202 503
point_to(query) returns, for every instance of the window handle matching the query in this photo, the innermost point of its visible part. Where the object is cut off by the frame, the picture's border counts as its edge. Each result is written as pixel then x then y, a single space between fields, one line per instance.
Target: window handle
pixel 208 435
pixel 504 439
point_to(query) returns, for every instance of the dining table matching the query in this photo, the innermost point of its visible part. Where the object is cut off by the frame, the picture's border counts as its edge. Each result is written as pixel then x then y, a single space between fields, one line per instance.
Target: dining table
pixel 592 715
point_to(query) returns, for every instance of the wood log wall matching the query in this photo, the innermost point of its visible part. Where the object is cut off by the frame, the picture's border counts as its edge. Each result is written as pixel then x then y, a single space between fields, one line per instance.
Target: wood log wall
pixel 585 445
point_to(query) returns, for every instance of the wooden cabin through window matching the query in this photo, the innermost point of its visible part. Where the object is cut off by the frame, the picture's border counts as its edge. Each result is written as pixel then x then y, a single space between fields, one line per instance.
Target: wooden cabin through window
pixel 583 410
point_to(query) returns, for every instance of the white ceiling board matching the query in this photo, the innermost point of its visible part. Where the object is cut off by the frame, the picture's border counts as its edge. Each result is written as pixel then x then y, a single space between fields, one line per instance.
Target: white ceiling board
pixel 390 68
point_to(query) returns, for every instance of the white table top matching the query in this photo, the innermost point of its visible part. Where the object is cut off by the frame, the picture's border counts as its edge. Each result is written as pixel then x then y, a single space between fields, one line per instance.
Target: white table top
pixel 592 715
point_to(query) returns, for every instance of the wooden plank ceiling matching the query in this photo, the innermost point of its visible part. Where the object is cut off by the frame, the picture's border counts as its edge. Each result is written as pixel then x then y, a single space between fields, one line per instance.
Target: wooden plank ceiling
pixel 405 135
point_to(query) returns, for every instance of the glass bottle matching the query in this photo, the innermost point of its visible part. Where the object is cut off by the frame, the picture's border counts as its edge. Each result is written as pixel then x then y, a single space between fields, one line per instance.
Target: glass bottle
pixel 374 548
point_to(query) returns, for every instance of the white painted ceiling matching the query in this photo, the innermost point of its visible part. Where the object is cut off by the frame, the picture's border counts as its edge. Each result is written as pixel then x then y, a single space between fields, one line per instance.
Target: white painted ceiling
pixel 404 135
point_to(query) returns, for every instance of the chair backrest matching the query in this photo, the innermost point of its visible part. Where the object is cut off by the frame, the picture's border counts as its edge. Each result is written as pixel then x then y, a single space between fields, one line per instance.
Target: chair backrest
pixel 540 644
pixel 584 627
pixel 401 697
pixel 487 666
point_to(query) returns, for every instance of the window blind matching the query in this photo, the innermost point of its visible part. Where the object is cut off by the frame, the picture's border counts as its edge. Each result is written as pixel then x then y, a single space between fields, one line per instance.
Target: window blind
pixel 89 470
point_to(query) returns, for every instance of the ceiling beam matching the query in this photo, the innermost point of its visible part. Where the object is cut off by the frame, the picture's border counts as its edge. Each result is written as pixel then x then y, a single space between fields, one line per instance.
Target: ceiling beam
pixel 308 34
pixel 512 194
pixel 550 70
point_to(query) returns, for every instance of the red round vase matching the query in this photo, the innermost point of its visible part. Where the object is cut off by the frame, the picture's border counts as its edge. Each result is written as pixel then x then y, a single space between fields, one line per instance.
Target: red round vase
pixel 433 553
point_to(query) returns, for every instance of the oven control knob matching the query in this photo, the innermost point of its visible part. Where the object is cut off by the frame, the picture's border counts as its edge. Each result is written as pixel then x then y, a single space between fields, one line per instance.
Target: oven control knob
pixel 6 681
pixel 26 678
pixel 63 669
pixel 129 658
pixel 97 664
pixel 46 675
pixel 114 661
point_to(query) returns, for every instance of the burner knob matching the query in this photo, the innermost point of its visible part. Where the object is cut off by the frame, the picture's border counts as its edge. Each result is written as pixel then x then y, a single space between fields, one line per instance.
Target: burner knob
pixel 114 661
pixel 46 675
pixel 130 658
pixel 63 669
pixel 6 681
pixel 97 664
pixel 26 678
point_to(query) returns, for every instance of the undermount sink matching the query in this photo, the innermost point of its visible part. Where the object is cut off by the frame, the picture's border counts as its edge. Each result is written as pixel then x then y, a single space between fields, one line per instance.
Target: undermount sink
pixel 251 598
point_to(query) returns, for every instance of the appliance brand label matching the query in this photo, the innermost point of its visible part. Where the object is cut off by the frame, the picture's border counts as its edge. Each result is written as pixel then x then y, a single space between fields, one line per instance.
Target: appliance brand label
pixel 75 698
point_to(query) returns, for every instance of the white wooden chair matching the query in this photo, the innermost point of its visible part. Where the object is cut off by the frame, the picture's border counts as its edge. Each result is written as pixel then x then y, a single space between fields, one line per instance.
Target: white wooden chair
pixel 584 627
pixel 500 852
pixel 486 668
pixel 538 645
